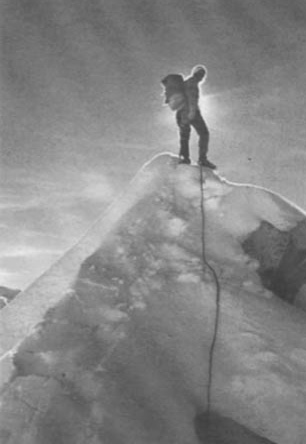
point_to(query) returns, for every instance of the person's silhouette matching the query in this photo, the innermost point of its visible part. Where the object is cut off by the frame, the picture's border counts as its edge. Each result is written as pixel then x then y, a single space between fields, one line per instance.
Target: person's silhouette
pixel 182 95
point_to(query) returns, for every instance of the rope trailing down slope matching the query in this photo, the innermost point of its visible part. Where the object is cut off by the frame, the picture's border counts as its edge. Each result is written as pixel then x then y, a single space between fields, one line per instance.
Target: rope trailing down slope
pixel 218 294
pixel 210 427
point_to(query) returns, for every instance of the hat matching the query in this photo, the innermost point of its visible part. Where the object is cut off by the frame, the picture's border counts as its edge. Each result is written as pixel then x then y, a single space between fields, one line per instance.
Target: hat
pixel 173 79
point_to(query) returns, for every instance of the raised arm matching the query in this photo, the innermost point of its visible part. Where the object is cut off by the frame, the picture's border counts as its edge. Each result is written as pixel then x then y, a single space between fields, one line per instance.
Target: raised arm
pixel 192 89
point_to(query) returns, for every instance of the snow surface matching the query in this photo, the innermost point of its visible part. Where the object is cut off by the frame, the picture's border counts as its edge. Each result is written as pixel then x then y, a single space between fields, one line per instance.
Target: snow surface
pixel 111 344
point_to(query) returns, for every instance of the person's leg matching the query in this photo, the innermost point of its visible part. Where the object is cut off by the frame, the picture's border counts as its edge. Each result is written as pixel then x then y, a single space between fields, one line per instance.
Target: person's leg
pixel 201 128
pixel 184 130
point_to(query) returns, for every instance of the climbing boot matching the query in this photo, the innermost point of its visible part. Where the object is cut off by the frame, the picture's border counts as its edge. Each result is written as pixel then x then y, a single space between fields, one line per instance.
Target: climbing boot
pixel 206 163
pixel 185 160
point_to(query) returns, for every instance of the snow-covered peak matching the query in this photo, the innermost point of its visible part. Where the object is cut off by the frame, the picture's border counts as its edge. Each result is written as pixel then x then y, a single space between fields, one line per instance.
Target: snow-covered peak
pixel 112 343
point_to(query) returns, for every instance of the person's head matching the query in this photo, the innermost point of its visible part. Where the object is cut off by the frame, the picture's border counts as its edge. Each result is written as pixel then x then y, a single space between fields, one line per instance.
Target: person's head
pixel 173 84
pixel 173 79
pixel 199 73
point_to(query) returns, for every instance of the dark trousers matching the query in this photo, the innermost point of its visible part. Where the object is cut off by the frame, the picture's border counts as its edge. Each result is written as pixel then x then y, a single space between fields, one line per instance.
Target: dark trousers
pixel 200 126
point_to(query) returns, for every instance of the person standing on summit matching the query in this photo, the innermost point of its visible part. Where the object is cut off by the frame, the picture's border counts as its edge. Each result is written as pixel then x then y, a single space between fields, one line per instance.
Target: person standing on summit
pixel 182 95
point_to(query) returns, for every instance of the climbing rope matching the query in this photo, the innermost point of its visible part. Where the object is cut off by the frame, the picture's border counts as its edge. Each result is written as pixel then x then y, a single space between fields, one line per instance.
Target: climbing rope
pixel 218 294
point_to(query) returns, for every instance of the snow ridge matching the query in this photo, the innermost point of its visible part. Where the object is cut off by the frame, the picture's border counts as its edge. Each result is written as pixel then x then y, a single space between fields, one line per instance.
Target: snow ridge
pixel 117 346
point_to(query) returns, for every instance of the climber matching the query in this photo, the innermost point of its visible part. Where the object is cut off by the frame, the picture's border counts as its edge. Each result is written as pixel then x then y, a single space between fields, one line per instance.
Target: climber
pixel 182 96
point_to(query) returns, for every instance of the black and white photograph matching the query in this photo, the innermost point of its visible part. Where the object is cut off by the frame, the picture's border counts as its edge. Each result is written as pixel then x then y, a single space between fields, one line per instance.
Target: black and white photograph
pixel 153 222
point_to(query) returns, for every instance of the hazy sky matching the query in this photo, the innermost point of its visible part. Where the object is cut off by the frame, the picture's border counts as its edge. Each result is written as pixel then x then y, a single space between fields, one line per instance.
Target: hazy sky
pixel 81 106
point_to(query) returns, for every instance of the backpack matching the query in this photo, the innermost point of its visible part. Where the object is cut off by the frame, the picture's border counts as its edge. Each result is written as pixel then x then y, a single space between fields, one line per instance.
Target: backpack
pixel 174 91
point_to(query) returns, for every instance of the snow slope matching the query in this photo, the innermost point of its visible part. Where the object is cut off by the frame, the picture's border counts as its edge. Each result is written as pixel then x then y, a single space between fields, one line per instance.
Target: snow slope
pixel 124 321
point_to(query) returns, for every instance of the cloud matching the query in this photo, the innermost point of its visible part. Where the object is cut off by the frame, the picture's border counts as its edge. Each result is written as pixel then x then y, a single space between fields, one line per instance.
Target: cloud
pixel 21 265
pixel 18 206
pixel 62 189
pixel 19 251
pixel 97 187
pixel 5 275
pixel 13 279
pixel 43 215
